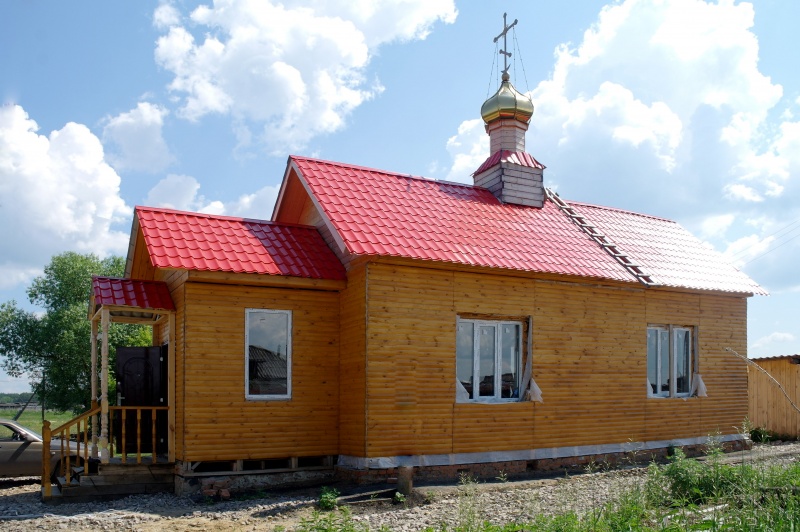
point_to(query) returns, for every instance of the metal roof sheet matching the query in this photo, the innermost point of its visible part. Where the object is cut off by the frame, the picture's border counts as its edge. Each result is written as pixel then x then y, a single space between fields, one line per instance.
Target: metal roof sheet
pixel 134 293
pixel 384 213
pixel 668 252
pixel 193 241
pixel 507 156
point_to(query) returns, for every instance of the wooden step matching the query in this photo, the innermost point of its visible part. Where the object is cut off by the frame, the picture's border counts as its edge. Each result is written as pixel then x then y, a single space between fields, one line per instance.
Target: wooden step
pixel 115 481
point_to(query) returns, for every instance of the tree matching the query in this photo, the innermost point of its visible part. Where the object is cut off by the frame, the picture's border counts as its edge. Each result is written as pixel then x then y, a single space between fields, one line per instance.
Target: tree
pixel 54 347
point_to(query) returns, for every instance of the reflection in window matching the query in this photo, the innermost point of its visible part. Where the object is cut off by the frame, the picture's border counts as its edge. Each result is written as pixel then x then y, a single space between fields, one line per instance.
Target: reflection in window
pixel 490 350
pixel 669 360
pixel 268 357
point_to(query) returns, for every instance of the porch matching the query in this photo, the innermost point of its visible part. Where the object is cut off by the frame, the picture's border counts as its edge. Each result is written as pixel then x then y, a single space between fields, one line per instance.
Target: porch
pixel 126 447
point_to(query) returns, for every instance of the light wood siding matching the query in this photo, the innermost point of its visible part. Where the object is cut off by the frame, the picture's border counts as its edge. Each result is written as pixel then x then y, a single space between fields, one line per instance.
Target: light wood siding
pixel 352 365
pixel 219 424
pixel 176 281
pixel 723 323
pixel 141 267
pixel 769 407
pixel 589 359
pixel 410 361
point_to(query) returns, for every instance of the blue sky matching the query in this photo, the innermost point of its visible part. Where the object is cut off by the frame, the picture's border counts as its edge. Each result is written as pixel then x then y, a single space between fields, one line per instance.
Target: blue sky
pixel 684 109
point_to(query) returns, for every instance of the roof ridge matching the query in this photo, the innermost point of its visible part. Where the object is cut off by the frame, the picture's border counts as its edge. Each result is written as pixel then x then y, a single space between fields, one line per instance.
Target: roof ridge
pixel 617 209
pixel 222 217
pixel 385 172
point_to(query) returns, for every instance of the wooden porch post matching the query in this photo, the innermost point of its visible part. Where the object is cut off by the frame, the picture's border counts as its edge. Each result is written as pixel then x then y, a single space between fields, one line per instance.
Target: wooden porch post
pixel 95 426
pixel 104 453
pixel 171 388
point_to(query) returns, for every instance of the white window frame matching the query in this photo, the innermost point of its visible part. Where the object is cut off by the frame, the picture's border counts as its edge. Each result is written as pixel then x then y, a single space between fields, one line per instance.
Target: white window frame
pixel 498 374
pixel 672 334
pixel 267 397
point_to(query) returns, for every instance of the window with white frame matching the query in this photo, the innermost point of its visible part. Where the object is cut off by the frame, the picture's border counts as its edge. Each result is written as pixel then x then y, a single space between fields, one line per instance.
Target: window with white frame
pixel 268 354
pixel 488 359
pixel 670 360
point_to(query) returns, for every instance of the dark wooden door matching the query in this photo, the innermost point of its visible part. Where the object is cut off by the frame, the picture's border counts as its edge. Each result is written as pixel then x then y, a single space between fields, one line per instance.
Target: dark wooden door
pixel 141 374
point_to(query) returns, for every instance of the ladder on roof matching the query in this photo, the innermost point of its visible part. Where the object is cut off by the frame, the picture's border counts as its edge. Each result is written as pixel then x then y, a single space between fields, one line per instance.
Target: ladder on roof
pixel 604 242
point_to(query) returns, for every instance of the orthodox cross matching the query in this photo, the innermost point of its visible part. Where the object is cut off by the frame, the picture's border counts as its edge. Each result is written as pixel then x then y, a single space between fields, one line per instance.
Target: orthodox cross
pixel 504 51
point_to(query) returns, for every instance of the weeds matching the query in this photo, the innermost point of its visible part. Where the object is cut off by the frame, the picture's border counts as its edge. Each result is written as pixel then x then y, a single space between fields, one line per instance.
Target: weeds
pixel 328 497
pixel 469 512
pixel 340 520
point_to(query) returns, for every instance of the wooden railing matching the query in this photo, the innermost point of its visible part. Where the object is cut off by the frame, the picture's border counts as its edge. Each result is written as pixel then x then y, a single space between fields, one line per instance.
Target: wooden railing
pixel 125 413
pixel 65 454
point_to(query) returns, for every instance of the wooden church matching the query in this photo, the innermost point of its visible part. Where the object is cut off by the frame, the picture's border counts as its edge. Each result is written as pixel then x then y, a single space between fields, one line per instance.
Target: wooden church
pixel 382 320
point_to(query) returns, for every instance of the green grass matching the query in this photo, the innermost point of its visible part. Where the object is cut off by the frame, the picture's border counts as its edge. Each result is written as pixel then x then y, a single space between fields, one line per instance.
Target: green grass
pixel 32 419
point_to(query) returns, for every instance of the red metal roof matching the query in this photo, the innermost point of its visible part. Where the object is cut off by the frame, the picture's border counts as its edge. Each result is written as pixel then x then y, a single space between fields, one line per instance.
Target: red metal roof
pixel 507 156
pixel 384 213
pixel 667 251
pixel 193 241
pixel 153 295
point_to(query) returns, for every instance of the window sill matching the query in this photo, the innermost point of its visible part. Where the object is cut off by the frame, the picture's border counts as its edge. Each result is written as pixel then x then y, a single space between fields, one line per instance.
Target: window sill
pixel 265 398
pixel 684 397
pixel 488 401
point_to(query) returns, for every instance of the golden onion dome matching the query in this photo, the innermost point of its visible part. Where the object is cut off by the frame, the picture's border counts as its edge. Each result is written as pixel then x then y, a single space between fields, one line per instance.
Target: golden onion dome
pixel 507 102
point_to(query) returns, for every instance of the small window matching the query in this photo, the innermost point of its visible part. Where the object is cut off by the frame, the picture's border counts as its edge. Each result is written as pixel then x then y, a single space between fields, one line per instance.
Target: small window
pixel 670 360
pixel 488 359
pixel 268 354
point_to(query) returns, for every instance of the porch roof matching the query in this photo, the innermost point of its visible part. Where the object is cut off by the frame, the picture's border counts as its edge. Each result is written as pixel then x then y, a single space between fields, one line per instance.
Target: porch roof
pixel 134 294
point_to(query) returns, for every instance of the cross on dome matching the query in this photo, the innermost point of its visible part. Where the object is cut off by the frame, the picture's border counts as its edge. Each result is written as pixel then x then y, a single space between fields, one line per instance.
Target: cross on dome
pixel 504 52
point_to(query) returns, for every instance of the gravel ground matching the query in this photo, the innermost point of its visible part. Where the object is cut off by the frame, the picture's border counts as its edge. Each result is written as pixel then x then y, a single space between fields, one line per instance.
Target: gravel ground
pixel 500 502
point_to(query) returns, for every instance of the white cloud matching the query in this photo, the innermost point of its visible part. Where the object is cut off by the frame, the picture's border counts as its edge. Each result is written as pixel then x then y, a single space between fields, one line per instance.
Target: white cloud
pixel 137 137
pixel 469 148
pixel 182 192
pixel 768 342
pixel 57 193
pixel 292 72
pixel 716 225
pixel 166 16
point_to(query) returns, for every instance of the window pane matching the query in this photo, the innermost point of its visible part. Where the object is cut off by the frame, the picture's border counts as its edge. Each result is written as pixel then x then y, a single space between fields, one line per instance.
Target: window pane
pixel 465 349
pixel 652 359
pixel 663 349
pixel 268 353
pixel 509 359
pixel 486 346
pixel 683 360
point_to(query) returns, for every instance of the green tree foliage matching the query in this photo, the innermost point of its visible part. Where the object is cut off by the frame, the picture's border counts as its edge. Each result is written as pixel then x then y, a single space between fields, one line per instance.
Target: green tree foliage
pixel 53 347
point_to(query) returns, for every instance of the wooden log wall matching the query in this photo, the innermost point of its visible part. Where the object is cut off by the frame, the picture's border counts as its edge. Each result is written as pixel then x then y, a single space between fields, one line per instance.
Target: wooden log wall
pixel 217 422
pixel 589 359
pixel 769 408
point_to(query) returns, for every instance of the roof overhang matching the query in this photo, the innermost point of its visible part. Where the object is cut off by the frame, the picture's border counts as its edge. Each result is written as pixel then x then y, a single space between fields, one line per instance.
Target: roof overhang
pixel 130 300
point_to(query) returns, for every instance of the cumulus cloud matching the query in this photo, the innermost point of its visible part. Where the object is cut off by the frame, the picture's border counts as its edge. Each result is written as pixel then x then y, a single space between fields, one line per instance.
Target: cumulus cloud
pixel 770 342
pixel 290 72
pixel 57 193
pixel 661 108
pixel 182 192
pixel 136 141
pixel 469 148
pixel 165 16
